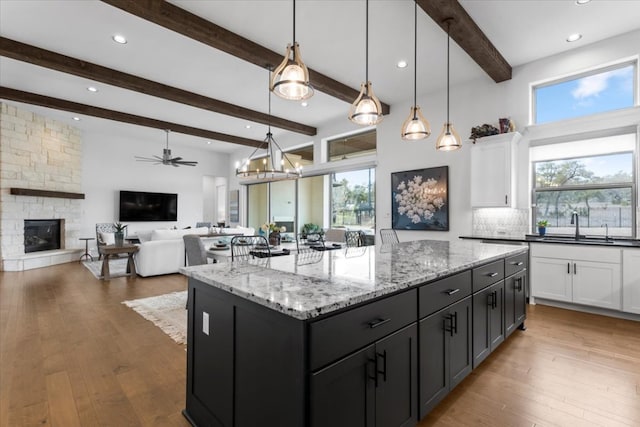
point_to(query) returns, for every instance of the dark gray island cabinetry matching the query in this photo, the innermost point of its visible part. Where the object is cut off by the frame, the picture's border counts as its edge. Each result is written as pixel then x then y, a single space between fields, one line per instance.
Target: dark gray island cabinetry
pixel 365 337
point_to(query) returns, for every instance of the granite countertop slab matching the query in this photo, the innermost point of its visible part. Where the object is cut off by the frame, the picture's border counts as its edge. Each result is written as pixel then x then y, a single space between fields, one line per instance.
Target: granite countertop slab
pixel 307 285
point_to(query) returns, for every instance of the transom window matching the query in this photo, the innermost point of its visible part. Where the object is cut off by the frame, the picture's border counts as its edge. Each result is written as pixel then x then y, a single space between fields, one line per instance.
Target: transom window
pixel 351 146
pixel 596 91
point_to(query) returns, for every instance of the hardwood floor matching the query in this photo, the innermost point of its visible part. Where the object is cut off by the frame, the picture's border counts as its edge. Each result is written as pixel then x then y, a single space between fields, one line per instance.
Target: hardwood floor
pixel 72 355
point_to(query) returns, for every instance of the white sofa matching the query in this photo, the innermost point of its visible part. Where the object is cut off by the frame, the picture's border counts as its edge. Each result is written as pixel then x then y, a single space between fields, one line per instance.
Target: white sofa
pixel 162 251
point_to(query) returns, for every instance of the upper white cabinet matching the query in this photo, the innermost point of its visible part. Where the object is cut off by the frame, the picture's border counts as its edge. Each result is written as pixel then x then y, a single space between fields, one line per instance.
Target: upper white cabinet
pixel 493 177
pixel 631 280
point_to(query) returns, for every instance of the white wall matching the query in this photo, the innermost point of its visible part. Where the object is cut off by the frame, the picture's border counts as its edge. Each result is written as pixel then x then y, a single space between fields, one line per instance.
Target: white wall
pixel 109 166
pixel 472 104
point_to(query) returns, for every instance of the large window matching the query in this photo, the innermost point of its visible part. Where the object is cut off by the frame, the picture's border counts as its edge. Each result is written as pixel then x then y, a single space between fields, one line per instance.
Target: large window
pixel 597 91
pixel 598 185
pixel 351 146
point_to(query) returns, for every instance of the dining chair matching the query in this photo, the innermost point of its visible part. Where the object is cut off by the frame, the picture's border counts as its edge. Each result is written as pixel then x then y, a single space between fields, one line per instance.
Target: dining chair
pixel 102 230
pixel 248 247
pixel 194 248
pixel 203 224
pixel 388 235
pixel 354 238
pixel 306 242
pixel 335 235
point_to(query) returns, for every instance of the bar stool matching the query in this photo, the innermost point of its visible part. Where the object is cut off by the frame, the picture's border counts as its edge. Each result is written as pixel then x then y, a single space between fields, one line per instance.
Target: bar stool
pixel 86 253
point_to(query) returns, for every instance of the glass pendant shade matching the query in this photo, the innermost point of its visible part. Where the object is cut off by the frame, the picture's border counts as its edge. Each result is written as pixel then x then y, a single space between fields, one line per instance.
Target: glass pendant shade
pixel 449 139
pixel 416 126
pixel 291 81
pixel 366 109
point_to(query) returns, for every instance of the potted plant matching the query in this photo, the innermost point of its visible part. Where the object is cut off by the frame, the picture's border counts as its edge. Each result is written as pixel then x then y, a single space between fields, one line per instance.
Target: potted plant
pixel 310 228
pixel 273 232
pixel 119 233
pixel 542 227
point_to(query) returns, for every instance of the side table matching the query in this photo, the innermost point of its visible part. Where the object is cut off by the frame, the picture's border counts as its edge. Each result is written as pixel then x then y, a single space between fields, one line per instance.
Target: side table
pixel 86 253
pixel 111 250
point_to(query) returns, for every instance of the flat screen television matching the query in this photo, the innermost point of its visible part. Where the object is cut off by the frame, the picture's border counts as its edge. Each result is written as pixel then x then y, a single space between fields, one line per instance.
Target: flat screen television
pixel 145 206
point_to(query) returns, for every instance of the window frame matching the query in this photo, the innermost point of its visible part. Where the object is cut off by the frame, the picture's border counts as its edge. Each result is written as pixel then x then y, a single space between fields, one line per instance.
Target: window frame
pixel 599 69
pixel 598 186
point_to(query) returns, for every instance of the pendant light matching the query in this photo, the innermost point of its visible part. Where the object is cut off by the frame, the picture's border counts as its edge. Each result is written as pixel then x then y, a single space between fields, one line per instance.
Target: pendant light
pixel 449 139
pixel 276 166
pixel 416 126
pixel 291 81
pixel 366 109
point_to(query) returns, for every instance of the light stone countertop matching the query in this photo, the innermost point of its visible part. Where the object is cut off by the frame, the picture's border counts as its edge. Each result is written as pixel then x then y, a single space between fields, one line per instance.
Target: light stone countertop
pixel 307 285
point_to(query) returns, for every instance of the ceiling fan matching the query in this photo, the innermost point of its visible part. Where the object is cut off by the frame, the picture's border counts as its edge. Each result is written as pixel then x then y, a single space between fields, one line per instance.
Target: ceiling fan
pixel 166 158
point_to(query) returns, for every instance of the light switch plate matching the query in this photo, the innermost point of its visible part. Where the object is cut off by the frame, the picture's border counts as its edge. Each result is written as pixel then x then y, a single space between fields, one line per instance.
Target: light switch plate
pixel 205 322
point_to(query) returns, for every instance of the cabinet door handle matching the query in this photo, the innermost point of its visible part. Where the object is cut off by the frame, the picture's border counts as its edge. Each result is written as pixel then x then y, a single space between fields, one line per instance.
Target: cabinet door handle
pixel 490 299
pixel 568 268
pixel 449 327
pixel 575 269
pixel 454 327
pixel 492 274
pixel 518 264
pixel 495 299
pixel 519 287
pixel 506 199
pixel 378 322
pixel 452 291
pixel 382 355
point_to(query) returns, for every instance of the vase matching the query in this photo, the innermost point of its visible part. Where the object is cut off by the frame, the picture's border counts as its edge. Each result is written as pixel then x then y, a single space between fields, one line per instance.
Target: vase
pixel 542 230
pixel 119 238
pixel 274 238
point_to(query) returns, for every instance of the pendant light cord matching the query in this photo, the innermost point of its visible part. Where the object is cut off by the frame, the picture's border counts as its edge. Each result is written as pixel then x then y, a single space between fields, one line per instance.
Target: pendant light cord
pixel 367 42
pixel 269 96
pixel 294 24
pixel 448 42
pixel 415 57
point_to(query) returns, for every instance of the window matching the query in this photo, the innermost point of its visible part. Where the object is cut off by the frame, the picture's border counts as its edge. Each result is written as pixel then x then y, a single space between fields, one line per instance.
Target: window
pixel 353 199
pixel 351 146
pixel 599 186
pixel 605 89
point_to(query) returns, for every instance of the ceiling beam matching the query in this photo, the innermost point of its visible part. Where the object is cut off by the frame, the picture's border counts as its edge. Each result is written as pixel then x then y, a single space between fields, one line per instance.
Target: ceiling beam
pixel 103 113
pixel 66 64
pixel 193 26
pixel 469 36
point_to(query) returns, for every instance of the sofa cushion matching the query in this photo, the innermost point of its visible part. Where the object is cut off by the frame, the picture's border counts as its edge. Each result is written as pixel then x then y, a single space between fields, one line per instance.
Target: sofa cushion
pixel 166 234
pixel 107 238
pixel 144 236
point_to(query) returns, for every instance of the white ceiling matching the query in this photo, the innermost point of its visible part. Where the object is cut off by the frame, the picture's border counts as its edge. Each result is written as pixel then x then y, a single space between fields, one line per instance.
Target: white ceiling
pixel 331 35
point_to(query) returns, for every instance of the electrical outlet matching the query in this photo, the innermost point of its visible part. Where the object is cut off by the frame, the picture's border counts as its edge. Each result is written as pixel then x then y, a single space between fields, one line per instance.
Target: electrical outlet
pixel 205 322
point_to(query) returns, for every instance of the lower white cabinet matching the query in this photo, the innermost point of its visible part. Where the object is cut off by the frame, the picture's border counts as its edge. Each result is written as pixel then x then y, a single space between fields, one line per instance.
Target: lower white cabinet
pixel 578 274
pixel 631 280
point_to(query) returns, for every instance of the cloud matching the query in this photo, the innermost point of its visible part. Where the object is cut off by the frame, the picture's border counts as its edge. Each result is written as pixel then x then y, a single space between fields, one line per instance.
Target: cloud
pixel 593 85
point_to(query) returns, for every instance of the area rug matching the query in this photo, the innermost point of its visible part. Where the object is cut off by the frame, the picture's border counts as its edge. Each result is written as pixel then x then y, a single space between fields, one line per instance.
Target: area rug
pixel 117 267
pixel 166 312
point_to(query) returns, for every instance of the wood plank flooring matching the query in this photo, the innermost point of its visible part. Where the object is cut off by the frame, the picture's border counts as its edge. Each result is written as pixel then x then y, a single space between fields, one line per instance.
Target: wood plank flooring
pixel 72 355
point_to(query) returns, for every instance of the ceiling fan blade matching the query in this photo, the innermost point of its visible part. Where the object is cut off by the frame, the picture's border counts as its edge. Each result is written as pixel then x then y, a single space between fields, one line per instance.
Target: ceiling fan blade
pixel 186 162
pixel 176 159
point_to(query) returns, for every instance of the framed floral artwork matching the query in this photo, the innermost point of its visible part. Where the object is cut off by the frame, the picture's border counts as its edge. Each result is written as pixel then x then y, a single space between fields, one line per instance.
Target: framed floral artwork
pixel 420 199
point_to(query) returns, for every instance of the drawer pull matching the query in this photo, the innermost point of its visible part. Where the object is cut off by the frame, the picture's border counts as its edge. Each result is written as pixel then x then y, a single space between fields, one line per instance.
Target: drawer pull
pixel 518 264
pixel 378 322
pixel 492 274
pixel 452 291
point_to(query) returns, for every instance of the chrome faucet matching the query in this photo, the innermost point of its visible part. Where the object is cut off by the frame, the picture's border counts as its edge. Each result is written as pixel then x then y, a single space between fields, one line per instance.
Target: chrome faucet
pixel 606 233
pixel 576 220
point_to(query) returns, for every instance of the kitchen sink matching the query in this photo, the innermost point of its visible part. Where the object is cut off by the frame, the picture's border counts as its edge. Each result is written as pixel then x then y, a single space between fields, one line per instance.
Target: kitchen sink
pixel 584 240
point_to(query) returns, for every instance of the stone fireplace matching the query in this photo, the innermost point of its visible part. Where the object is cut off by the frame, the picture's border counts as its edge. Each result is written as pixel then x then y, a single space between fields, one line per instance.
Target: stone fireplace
pixel 43 235
pixel 41 171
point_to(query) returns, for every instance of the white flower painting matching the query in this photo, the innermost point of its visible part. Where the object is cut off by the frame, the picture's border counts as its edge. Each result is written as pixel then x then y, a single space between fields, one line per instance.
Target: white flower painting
pixel 420 199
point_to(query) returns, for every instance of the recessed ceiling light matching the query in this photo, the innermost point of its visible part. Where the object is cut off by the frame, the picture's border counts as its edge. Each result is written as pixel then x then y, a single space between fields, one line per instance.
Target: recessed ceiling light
pixel 304 103
pixel 92 89
pixel 77 119
pixel 402 64
pixel 247 126
pixel 208 142
pixel 119 38
pixel 582 1
pixel 574 37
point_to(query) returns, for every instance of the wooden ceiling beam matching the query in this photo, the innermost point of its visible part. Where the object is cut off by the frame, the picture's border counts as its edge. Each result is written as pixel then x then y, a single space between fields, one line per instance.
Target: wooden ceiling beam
pixel 66 64
pixel 469 36
pixel 193 26
pixel 103 113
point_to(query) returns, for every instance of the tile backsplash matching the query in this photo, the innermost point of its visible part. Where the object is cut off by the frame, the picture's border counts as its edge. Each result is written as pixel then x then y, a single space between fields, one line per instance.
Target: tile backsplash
pixel 500 221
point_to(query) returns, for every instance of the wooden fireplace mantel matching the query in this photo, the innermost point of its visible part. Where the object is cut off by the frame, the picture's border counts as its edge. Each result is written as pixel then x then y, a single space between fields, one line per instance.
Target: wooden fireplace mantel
pixel 45 193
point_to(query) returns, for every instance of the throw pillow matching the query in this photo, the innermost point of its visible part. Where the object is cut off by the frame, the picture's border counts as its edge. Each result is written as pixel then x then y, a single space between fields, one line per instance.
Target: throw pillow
pixel 107 238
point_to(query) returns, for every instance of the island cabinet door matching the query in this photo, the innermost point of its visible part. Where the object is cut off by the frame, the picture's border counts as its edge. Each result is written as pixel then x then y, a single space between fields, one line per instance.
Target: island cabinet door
pixel 488 321
pixel 445 352
pixel 514 301
pixel 343 394
pixel 397 379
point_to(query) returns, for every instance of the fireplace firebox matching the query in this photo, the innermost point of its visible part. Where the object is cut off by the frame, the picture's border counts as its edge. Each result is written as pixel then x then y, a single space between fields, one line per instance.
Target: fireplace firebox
pixel 42 234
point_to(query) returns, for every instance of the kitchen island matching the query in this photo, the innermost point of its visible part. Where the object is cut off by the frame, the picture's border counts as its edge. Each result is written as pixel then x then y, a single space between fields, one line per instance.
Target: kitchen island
pixel 335 338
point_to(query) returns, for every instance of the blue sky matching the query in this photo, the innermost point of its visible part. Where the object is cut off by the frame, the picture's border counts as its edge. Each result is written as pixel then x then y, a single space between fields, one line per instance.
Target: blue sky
pixel 610 90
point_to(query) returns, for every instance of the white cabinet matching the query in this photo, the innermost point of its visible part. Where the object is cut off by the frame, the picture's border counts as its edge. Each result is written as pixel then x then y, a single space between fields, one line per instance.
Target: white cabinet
pixel 579 274
pixel 631 280
pixel 493 177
